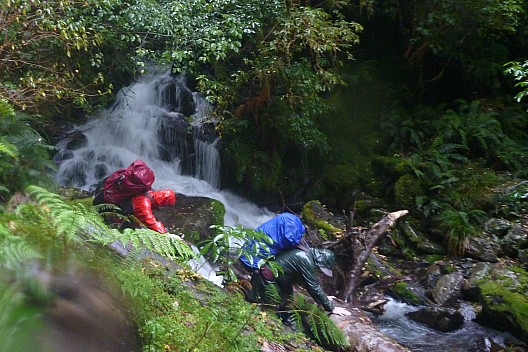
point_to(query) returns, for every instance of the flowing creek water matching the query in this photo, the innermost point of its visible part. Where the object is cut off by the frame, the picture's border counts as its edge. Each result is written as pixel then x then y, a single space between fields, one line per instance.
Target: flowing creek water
pixel 420 338
pixel 136 127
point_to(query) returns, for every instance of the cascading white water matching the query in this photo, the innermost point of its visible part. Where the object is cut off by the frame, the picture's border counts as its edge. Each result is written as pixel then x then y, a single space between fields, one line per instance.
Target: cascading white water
pixel 421 338
pixel 130 130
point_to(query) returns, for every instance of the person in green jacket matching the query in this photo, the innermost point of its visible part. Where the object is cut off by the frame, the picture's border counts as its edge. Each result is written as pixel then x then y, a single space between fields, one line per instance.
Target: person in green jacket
pixel 298 267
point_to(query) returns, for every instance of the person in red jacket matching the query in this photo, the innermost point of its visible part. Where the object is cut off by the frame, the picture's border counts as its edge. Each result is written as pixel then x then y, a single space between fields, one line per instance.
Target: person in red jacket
pixel 144 203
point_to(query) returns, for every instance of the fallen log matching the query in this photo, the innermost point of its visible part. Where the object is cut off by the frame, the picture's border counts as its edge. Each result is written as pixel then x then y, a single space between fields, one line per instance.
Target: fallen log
pixel 362 244
pixel 363 335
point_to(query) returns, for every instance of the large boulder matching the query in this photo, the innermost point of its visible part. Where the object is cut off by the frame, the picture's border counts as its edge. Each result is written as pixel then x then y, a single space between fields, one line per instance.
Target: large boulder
pixel 484 248
pixel 448 289
pixel 438 318
pixel 192 217
pixel 504 300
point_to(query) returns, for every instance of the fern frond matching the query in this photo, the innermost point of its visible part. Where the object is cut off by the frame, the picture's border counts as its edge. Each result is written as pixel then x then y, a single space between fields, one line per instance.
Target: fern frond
pixel 8 149
pixel 71 221
pixel 14 250
pixel 319 324
pixel 161 243
pixel 272 294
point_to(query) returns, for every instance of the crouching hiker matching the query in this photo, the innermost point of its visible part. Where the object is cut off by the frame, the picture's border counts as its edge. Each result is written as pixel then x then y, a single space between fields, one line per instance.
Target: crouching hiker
pixel 298 266
pixel 297 262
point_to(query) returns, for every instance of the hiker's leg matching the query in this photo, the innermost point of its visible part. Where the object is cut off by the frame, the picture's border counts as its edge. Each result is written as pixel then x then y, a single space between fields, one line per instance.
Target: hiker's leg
pixel 285 314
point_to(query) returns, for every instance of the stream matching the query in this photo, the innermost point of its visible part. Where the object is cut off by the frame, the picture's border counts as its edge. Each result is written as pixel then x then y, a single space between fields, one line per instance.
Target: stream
pixel 420 338
pixel 137 125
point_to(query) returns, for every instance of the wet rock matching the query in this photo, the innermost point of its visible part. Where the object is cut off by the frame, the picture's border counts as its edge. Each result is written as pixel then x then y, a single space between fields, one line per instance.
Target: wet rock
pixel 192 217
pixel 429 247
pixel 515 239
pixel 504 300
pixel 523 258
pixel 438 318
pixel 483 248
pixel 487 344
pixel 448 289
pixel 478 272
pixel 430 276
pixel 420 242
pixel 498 227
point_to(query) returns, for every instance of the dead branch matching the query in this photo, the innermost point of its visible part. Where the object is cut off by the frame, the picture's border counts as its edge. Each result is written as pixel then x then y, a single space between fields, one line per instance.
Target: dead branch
pixel 362 244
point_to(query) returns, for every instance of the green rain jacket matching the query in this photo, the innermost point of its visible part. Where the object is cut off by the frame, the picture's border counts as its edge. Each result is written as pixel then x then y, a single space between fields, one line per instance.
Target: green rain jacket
pixel 300 268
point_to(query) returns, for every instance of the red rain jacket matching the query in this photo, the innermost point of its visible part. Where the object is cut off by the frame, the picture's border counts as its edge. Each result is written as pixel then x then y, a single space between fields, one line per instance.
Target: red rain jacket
pixel 144 203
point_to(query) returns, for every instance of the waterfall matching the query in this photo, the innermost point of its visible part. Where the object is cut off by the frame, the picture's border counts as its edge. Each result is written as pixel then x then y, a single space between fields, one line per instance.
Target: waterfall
pixel 160 120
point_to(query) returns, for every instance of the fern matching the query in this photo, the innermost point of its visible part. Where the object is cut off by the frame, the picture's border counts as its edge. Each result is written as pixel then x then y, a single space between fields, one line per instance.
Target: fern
pixel 460 225
pixel 161 243
pixel 71 221
pixel 14 250
pixel 25 157
pixel 78 222
pixel 318 324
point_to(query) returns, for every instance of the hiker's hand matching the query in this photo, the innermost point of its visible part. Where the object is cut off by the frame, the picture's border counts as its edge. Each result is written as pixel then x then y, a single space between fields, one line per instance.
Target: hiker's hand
pixel 341 312
pixel 333 298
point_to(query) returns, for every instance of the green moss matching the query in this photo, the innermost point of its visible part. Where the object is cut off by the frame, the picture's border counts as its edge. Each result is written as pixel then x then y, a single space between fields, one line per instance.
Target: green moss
pixel 514 304
pixel 402 291
pixel 326 229
pixel 218 212
pixel 361 206
pixel 406 189
pixel 450 269
pixel 432 258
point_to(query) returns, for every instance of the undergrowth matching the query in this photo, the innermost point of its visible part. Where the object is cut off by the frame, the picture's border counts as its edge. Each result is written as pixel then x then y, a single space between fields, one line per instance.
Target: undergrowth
pixel 173 309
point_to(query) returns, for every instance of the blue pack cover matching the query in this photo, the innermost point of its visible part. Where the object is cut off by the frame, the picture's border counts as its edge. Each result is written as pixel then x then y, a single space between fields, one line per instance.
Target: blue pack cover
pixel 286 231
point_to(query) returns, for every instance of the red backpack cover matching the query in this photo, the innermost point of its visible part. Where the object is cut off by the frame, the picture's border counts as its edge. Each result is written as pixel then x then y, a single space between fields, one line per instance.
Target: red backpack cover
pixel 127 182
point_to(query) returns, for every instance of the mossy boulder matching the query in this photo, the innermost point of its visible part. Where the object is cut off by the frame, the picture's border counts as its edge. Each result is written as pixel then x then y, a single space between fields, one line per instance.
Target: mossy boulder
pixel 504 300
pixel 316 216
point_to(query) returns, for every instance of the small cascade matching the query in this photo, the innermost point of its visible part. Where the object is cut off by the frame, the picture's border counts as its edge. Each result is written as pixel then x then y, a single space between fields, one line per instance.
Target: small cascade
pixel 421 338
pixel 160 120
pixel 467 311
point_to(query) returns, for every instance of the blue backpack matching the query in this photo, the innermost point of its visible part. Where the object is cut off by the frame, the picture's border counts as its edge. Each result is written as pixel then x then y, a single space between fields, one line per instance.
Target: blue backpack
pixel 286 231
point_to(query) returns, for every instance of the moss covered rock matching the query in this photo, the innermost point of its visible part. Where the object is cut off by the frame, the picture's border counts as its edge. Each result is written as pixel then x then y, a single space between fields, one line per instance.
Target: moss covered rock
pixel 316 216
pixel 504 299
